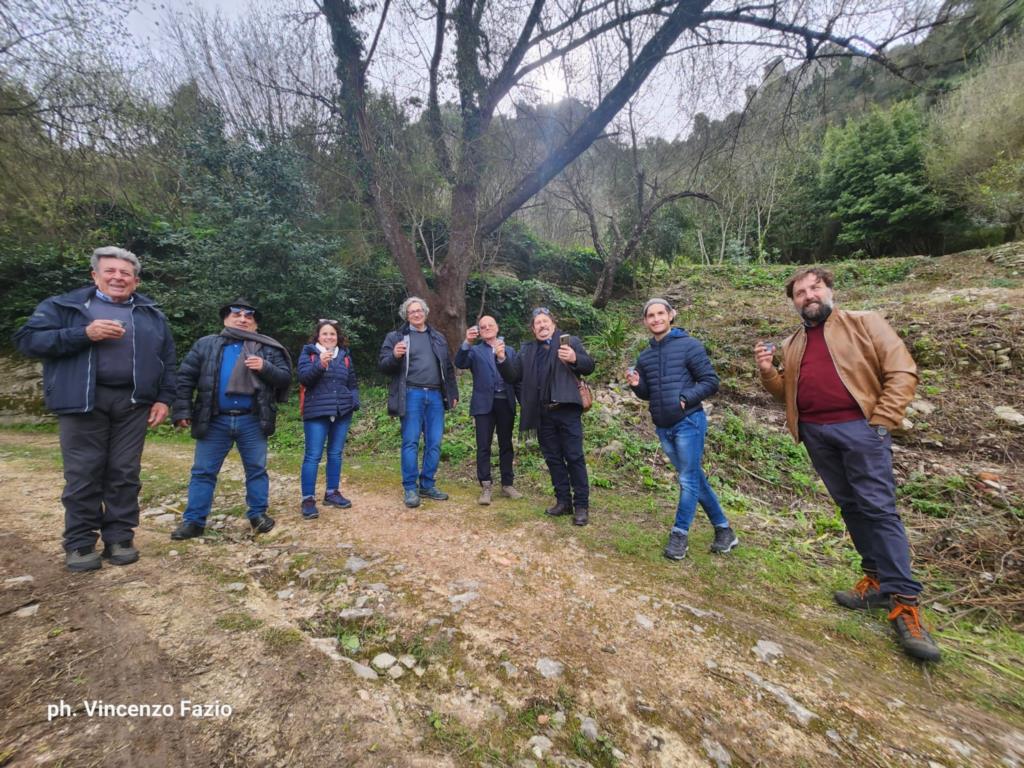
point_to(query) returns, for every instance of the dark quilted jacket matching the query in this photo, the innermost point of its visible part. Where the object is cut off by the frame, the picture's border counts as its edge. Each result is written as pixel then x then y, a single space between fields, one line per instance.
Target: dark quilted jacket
pixel 674 369
pixel 330 391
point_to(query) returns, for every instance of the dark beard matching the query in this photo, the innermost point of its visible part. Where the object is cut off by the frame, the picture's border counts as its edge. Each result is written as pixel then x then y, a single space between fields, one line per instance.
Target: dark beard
pixel 819 316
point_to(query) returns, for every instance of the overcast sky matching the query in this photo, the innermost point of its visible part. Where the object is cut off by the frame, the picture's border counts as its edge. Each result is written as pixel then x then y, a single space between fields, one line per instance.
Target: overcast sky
pixel 146 20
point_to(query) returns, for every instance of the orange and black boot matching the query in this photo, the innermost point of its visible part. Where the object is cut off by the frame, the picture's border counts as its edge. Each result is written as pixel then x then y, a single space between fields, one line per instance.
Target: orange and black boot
pixel 864 596
pixel 910 632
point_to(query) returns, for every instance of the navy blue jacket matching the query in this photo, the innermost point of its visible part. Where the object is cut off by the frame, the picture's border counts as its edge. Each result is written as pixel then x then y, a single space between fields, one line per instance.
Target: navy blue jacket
pixel 398 368
pixel 56 333
pixel 564 377
pixel 330 391
pixel 674 369
pixel 199 383
pixel 484 374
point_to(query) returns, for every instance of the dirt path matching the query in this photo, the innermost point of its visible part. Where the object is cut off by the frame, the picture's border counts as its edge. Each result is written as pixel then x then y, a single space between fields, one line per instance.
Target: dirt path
pixel 651 674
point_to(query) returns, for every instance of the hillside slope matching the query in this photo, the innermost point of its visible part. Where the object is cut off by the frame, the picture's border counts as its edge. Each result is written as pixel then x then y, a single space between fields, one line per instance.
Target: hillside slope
pixel 524 641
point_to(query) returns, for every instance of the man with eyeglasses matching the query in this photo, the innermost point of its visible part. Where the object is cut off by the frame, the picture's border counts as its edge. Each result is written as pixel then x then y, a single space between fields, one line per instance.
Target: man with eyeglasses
pixel 229 385
pixel 108 374
pixel 422 388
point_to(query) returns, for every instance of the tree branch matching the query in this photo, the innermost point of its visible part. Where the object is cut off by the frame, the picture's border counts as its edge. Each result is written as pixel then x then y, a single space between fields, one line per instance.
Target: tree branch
pixel 687 14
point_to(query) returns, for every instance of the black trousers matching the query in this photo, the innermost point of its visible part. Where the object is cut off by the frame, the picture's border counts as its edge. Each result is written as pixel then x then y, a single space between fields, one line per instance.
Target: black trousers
pixel 502 418
pixel 102 452
pixel 561 442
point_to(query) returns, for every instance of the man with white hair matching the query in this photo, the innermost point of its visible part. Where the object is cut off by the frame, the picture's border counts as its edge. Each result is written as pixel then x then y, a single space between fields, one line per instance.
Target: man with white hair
pixel 422 388
pixel 108 374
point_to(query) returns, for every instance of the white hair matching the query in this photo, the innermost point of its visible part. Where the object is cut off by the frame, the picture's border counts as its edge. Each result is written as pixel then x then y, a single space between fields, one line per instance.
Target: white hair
pixel 113 252
pixel 403 311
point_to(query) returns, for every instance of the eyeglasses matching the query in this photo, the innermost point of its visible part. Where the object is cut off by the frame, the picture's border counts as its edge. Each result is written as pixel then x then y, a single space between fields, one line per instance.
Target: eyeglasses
pixel 243 311
pixel 327 320
pixel 540 311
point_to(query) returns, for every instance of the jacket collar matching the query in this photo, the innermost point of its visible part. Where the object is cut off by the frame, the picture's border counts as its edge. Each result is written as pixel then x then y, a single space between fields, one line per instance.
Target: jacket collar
pixel 674 333
pixel 81 296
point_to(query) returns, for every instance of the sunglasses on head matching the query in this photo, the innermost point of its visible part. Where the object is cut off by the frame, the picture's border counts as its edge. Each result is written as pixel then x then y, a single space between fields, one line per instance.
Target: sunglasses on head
pixel 327 320
pixel 541 311
pixel 243 311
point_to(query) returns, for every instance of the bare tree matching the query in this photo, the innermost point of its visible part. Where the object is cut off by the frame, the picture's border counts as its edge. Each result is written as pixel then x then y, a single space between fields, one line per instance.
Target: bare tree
pixel 57 68
pixel 487 49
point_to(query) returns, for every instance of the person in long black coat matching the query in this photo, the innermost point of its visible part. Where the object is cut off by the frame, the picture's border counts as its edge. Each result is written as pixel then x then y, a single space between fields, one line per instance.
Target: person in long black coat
pixel 548 370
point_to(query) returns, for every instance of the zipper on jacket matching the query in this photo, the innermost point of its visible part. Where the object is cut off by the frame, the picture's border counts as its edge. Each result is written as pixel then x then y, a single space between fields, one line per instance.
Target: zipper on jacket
pixel 135 378
pixel 88 370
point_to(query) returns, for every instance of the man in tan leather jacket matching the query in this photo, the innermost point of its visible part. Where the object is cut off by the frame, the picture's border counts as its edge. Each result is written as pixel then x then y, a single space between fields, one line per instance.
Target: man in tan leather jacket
pixel 846 380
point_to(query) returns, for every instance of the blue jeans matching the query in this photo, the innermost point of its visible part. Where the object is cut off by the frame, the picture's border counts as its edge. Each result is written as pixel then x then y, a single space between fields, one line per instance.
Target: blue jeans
pixel 225 431
pixel 424 414
pixel 684 444
pixel 855 463
pixel 319 431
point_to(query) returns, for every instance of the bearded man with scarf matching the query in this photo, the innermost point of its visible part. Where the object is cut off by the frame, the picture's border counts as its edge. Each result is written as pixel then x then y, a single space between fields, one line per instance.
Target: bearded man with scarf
pixel 229 385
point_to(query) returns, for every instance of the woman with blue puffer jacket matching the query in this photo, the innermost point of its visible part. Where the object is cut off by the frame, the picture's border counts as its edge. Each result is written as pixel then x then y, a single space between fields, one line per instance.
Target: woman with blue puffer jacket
pixel 330 397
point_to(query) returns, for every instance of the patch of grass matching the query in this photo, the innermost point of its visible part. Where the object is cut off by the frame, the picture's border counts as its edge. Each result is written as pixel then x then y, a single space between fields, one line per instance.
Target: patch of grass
pixel 935 495
pixel 987 656
pixel 633 540
pixel 213 570
pixel 237 622
pixel 849 627
pixel 597 753
pixel 459 741
pixel 281 639
pixel 43 456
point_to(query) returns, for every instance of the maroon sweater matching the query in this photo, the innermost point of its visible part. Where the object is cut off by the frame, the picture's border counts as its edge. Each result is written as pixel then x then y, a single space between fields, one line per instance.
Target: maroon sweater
pixel 821 396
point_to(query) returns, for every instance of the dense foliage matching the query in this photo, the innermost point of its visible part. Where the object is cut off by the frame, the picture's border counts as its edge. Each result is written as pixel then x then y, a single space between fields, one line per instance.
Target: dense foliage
pixel 249 192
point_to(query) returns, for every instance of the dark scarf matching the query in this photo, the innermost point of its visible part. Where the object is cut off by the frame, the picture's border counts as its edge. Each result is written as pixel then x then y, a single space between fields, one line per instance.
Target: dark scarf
pixel 244 381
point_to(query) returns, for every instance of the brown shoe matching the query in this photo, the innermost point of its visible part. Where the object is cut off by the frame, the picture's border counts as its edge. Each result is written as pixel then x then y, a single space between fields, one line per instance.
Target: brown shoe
pixel 558 510
pixel 581 516
pixel 485 493
pixel 864 596
pixel 511 492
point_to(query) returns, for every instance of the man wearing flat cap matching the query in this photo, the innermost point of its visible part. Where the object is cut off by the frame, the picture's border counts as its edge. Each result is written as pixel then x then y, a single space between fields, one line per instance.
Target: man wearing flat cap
pixel 108 373
pixel 229 385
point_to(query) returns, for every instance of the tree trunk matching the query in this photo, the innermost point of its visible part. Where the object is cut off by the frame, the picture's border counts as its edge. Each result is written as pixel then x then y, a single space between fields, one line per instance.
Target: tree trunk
pixel 605 283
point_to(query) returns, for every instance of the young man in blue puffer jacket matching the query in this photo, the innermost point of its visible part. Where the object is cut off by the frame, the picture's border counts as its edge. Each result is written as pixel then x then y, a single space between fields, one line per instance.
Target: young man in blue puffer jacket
pixel 675 375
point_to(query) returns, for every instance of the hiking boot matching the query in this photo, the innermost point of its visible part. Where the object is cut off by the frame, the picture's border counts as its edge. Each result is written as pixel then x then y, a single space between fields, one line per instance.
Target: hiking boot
pixel 187 530
pixel 485 493
pixel 560 508
pixel 678 544
pixel 434 493
pixel 309 510
pixel 910 632
pixel 412 499
pixel 82 559
pixel 581 516
pixel 725 540
pixel 335 499
pixel 121 552
pixel 511 492
pixel 262 523
pixel 864 596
